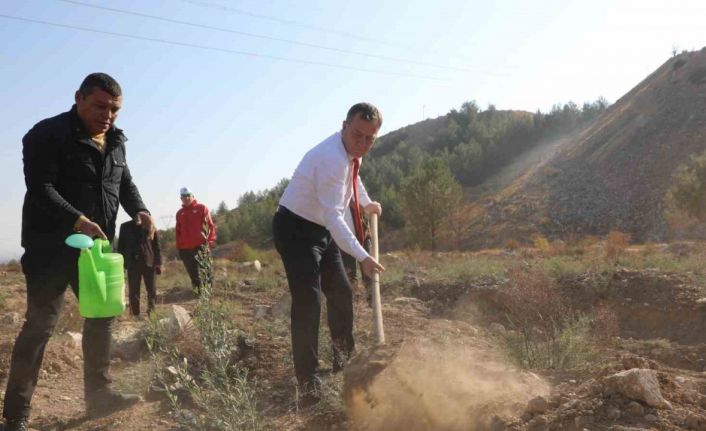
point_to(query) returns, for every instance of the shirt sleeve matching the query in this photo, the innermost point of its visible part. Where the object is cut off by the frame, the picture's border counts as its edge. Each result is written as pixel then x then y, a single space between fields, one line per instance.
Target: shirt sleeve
pixel 41 169
pixel 330 190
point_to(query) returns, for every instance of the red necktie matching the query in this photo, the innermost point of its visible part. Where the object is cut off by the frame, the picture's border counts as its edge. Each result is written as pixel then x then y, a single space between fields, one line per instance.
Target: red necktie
pixel 356 204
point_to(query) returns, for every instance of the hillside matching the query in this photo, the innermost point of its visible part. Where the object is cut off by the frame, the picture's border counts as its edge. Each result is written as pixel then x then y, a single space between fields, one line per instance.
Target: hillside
pixel 614 174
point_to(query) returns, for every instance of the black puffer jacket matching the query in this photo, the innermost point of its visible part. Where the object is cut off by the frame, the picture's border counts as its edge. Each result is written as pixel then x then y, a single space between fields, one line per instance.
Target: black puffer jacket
pixel 66 177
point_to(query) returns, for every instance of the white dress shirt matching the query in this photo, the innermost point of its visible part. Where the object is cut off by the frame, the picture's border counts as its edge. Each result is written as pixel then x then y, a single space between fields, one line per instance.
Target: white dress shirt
pixel 321 189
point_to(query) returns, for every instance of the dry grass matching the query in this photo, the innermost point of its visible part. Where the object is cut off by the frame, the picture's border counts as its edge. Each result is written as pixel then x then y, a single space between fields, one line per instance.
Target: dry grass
pixel 616 243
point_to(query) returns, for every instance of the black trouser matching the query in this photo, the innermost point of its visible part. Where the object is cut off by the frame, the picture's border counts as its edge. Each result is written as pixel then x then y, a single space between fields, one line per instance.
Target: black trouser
pixel 45 298
pixel 198 265
pixel 313 264
pixel 135 274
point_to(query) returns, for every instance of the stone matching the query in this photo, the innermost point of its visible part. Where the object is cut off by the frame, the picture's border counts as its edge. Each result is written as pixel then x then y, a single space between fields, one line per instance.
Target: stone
pixel 128 343
pixel 633 361
pixel 640 385
pixel 651 418
pixel 177 320
pixel 75 339
pixel 255 265
pixel 537 405
pixel 635 409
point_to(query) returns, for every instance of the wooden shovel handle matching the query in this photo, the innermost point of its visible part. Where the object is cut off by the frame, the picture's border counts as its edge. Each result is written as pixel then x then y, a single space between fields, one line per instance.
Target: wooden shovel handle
pixel 377 306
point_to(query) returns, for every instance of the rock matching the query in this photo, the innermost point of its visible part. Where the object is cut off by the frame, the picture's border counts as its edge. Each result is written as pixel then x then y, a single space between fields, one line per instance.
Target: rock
pixel 638 384
pixel 177 320
pixel 11 318
pixel 255 265
pixel 696 422
pixel 633 361
pixel 635 409
pixel 537 405
pixel 261 311
pixel 75 339
pixel 651 418
pixel 128 343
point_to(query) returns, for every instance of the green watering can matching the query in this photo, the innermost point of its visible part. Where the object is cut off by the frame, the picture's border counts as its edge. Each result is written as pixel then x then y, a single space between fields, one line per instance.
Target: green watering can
pixel 101 281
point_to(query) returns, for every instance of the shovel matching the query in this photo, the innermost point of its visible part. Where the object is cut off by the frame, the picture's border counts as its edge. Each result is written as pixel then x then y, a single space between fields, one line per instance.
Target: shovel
pixel 377 306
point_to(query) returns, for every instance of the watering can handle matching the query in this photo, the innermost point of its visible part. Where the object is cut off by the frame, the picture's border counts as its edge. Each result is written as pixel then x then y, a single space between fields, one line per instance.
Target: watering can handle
pixel 377 305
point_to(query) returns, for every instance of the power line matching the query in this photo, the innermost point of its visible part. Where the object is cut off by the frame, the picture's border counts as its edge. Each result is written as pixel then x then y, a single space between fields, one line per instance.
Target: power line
pixel 293 23
pixel 288 22
pixel 225 50
pixel 260 36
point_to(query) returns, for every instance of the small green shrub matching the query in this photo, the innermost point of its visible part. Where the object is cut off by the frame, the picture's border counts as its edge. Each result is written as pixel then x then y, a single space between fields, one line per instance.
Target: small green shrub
pixel 200 372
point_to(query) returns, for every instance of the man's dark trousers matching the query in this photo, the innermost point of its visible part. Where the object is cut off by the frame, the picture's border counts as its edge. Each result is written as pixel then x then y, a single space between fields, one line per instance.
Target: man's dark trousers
pixel 135 274
pixel 45 298
pixel 313 264
pixel 190 257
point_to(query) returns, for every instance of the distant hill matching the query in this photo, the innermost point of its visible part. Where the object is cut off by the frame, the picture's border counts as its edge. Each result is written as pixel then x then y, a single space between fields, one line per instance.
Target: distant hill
pixel 574 171
pixel 613 175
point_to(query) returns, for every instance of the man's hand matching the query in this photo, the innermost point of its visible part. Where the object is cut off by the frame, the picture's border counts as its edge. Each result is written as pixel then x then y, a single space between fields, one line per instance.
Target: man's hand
pixel 211 244
pixel 145 220
pixel 87 227
pixel 373 208
pixel 158 269
pixel 370 266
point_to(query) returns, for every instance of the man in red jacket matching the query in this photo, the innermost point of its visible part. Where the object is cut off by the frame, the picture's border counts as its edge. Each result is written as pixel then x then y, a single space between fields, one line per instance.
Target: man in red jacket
pixel 195 235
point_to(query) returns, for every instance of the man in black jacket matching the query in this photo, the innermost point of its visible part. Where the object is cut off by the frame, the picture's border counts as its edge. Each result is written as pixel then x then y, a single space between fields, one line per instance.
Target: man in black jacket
pixel 143 259
pixel 76 176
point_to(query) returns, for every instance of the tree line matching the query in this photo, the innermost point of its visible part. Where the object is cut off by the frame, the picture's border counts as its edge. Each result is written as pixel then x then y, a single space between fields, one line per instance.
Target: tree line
pixel 417 172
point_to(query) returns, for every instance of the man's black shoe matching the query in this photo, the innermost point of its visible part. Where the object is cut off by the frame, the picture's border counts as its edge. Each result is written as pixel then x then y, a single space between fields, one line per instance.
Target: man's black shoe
pixel 106 401
pixel 16 424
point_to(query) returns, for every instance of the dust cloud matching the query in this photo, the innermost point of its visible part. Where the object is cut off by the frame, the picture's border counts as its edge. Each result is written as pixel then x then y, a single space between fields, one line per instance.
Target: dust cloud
pixel 443 385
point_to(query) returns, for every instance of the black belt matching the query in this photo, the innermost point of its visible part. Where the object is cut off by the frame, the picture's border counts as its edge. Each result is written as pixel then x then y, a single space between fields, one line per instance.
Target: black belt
pixel 286 211
pixel 289 213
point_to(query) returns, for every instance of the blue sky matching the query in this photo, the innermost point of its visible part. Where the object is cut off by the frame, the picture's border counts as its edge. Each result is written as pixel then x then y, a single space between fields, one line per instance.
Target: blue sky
pixel 224 122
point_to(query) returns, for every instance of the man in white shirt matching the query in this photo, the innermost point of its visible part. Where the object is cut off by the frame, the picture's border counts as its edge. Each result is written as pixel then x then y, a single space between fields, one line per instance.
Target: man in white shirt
pixel 309 228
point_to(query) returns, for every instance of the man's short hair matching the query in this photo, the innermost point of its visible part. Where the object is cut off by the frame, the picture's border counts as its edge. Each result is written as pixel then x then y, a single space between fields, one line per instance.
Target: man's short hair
pixel 367 112
pixel 101 81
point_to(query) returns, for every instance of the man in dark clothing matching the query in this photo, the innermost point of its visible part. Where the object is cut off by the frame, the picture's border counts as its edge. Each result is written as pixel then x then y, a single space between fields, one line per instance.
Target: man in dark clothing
pixel 76 176
pixel 143 259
